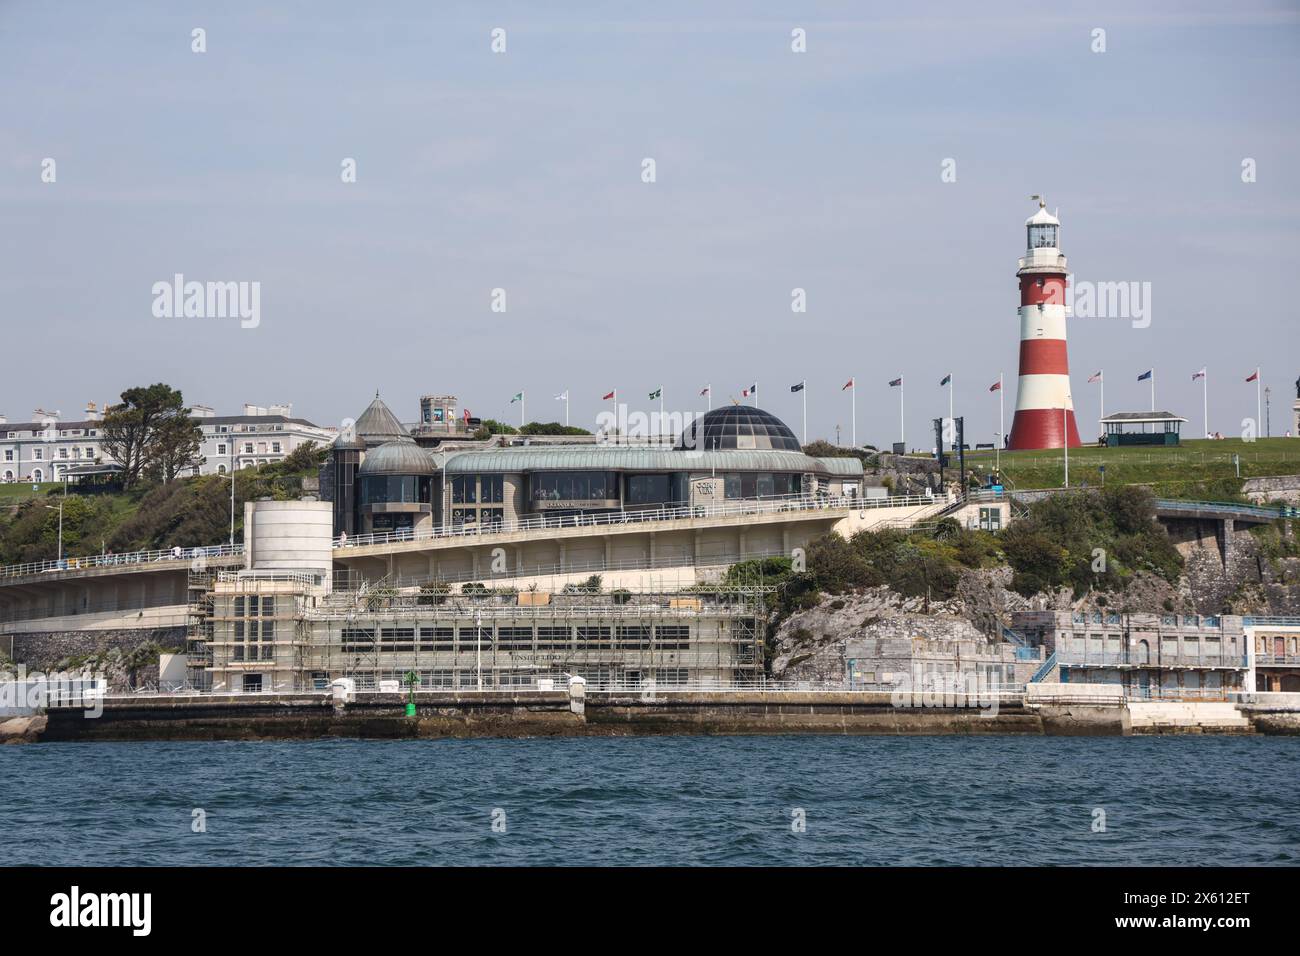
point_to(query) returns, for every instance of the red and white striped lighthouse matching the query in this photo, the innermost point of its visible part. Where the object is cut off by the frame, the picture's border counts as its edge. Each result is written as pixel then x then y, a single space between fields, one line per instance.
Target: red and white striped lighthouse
pixel 1044 408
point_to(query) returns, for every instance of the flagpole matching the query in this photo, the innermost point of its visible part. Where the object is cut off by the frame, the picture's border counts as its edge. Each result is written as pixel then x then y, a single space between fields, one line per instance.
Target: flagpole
pixel 1153 389
pixel 805 410
pixel 709 391
pixel 1002 426
pixel 566 408
pixel 853 397
pixel 952 423
pixel 617 424
pixel 902 421
pixel 1259 408
pixel 1205 401
pixel 1101 379
pixel 756 394
pixel 523 406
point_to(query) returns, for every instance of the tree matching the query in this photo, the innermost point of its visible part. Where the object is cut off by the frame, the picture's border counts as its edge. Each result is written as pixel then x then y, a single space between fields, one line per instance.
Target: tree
pixel 151 428
pixel 175 447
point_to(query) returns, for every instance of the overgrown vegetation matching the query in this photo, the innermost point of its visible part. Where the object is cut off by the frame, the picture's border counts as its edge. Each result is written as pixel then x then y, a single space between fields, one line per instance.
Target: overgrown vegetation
pixel 1095 539
pixel 186 512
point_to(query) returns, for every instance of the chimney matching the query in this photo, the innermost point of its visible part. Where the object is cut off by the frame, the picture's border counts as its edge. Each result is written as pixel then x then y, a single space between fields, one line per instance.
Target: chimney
pixel 93 413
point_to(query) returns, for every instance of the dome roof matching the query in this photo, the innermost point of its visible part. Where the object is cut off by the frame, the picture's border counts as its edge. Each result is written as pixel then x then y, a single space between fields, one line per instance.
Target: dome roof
pixel 397 458
pixel 1042 218
pixel 739 427
pixel 378 425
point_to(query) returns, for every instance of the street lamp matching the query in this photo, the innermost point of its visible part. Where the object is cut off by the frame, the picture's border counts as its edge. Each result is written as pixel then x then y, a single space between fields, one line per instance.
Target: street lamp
pixel 59 509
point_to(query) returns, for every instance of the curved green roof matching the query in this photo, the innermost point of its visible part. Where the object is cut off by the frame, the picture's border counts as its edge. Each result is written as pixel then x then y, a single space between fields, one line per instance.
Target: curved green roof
pixel 616 458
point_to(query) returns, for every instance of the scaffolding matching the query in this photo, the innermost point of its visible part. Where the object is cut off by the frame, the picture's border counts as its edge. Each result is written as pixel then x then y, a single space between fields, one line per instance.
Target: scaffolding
pixel 375 633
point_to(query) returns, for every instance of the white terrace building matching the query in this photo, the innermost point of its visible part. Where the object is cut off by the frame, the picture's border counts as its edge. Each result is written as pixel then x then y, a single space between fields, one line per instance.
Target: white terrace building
pixel 44 448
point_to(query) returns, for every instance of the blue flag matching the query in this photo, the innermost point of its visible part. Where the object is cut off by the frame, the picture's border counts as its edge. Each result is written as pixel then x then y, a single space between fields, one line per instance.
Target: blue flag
pixel 1145 375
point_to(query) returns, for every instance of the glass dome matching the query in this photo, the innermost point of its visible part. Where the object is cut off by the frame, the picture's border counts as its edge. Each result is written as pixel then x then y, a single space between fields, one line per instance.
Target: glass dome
pixel 739 427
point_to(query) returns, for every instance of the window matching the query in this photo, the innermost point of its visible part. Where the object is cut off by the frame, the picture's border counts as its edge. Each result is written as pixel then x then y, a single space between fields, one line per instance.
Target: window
pixel 248 448
pixel 38 454
pixel 491 489
pixel 9 454
pixel 575 486
pixel 275 447
pixel 221 449
pixel 252 683
pixel 463 489
pixel 437 639
pixel 672 637
pixel 760 485
pixel 515 638
pixel 655 489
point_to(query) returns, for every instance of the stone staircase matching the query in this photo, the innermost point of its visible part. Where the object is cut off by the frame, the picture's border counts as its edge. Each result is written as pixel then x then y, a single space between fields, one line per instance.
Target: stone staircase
pixel 1187 717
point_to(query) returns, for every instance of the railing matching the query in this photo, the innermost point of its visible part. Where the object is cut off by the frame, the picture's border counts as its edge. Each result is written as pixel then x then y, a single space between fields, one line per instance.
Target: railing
pixel 1277 660
pixel 748 506
pixel 1072 658
pixel 1233 507
pixel 1044 669
pixel 1266 621
pixel 119 560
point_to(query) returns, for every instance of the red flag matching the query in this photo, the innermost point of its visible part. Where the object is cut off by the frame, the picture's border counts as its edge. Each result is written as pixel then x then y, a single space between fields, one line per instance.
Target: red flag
pixel 1253 375
pixel 848 384
pixel 996 386
pixel 467 416
pixel 608 396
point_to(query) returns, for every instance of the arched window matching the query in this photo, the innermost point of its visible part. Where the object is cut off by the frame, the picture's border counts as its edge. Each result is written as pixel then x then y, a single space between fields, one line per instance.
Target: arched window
pixel 9 476
pixel 38 476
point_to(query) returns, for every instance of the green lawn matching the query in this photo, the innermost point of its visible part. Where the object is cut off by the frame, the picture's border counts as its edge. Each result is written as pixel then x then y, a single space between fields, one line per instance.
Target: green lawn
pixel 1193 462
pixel 13 492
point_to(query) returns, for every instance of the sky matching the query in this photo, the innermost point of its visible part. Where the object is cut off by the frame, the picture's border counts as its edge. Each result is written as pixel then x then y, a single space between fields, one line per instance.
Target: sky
pixel 829 170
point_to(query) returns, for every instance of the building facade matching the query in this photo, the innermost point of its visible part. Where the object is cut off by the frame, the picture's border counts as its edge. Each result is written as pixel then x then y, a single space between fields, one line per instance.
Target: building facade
pixel 382 481
pixel 48 449
pixel 1146 654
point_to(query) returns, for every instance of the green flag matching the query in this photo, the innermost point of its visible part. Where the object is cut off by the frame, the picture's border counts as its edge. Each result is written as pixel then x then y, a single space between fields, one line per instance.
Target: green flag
pixel 519 397
pixel 658 392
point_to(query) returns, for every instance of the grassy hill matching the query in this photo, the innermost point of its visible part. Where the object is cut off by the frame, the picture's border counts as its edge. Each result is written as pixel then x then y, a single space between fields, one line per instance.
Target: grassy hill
pixel 1195 465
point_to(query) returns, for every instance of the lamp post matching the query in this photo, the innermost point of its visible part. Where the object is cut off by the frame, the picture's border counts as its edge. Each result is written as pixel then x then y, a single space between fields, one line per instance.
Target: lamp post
pixel 59 509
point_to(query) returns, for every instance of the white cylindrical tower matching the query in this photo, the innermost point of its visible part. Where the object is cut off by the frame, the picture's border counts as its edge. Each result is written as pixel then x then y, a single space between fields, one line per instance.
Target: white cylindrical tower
pixel 1044 408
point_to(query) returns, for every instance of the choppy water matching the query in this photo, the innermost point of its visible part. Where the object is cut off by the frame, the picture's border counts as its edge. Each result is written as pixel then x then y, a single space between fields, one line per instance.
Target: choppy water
pixel 674 800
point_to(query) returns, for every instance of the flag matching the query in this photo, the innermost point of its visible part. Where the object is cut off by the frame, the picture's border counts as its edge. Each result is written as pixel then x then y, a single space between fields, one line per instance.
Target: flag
pixel 519 397
pixel 1253 376
pixel 946 379
pixel 1200 374
pixel 749 391
pixel 798 388
pixel 996 386
pixel 467 416
pixel 896 382
pixel 563 396
pixel 706 390
pixel 658 392
pixel 1095 377
pixel 1145 375
pixel 608 395
pixel 849 384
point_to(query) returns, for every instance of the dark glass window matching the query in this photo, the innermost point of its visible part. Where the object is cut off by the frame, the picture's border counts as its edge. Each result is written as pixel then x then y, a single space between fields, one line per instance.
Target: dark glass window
pixel 463 489
pixel 491 489
pixel 574 486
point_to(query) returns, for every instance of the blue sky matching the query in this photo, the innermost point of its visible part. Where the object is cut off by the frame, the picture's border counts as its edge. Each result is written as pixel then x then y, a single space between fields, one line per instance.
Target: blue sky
pixel 521 171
